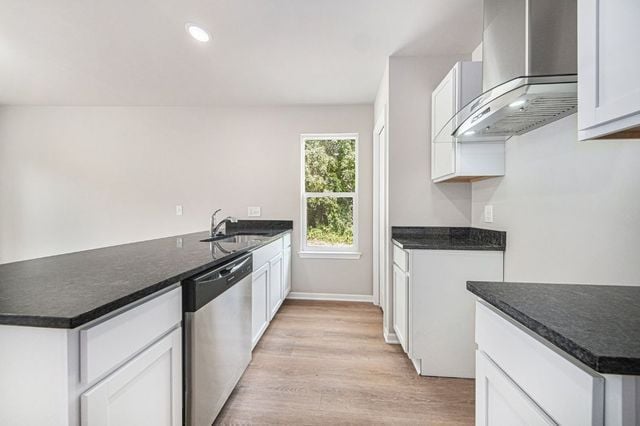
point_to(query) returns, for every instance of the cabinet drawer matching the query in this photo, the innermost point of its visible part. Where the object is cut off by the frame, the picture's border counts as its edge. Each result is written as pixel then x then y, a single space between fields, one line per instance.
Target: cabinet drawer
pixel 286 240
pixel 106 345
pixel 400 258
pixel 266 253
pixel 570 394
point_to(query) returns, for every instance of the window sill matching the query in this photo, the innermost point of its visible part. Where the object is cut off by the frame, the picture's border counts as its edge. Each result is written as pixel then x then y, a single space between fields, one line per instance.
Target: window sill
pixel 353 255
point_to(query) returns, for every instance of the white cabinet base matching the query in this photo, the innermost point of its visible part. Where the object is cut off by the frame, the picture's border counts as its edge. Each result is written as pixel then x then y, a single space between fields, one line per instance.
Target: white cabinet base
pixel 146 390
pixel 259 304
pixel 499 400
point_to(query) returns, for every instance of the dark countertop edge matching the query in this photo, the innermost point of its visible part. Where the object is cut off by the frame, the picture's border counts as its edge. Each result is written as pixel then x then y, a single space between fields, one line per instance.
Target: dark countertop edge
pixel 82 319
pixel 601 364
pixel 449 238
pixel 416 246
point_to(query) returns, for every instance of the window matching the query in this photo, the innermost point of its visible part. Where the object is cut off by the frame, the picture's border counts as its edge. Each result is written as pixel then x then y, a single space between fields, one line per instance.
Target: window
pixel 329 202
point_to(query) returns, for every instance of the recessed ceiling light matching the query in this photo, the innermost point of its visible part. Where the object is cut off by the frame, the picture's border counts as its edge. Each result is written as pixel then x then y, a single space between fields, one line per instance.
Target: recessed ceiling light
pixel 197 32
pixel 470 132
pixel 517 103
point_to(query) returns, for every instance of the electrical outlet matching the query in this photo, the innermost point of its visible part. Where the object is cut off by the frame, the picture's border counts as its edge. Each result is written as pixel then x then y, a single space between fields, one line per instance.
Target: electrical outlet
pixel 179 242
pixel 253 211
pixel 488 213
pixel 179 210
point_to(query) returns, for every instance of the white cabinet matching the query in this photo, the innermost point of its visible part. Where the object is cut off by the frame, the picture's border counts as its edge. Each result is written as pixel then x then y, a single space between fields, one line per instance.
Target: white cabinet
pixel 451 159
pixel 260 315
pixel 608 63
pixel 271 283
pixel 146 390
pixel 522 380
pixel 432 310
pixel 275 284
pixel 400 305
pixel 121 369
pixel 499 400
pixel 286 265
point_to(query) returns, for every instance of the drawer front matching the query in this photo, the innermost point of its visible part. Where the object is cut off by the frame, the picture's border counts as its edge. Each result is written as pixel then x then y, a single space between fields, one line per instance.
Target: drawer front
pixel 264 254
pixel 106 345
pixel 286 240
pixel 400 258
pixel 571 395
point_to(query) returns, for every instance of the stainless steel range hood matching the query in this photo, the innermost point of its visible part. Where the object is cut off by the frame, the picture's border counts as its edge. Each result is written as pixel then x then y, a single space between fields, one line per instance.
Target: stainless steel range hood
pixel 529 69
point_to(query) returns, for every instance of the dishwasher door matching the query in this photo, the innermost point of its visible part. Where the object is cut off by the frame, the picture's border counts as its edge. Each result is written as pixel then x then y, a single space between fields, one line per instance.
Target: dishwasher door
pixel 217 345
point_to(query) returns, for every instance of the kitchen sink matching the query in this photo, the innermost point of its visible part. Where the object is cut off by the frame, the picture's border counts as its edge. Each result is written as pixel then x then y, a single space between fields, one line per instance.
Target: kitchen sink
pixel 240 237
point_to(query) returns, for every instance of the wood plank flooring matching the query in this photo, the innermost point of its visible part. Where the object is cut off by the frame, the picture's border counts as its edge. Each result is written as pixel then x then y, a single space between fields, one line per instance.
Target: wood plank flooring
pixel 325 363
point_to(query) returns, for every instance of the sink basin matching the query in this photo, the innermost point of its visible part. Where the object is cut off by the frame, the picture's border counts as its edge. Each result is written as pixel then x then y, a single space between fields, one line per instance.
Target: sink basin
pixel 240 237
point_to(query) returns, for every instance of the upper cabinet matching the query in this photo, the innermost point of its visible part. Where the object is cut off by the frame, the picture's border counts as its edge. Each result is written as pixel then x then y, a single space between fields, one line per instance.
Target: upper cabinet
pixel 608 64
pixel 451 159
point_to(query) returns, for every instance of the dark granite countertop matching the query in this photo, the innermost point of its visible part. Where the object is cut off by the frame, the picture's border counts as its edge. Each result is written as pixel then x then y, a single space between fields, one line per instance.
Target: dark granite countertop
pixel 597 324
pixel 448 238
pixel 69 290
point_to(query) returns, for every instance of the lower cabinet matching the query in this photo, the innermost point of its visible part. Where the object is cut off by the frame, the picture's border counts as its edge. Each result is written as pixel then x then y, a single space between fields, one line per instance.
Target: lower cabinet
pixel 271 283
pixel 286 272
pixel 522 380
pixel 433 313
pixel 400 305
pixel 500 400
pixel 259 302
pixel 146 390
pixel 275 284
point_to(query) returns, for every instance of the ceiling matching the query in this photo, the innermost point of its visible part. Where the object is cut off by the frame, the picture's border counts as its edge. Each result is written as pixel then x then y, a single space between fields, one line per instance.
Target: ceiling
pixel 262 52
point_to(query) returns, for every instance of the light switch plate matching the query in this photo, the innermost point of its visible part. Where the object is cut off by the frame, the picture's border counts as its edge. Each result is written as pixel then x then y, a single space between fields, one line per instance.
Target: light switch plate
pixel 253 211
pixel 178 209
pixel 488 213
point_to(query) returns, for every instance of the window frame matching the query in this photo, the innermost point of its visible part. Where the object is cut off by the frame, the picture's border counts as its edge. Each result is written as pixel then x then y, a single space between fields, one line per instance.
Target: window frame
pixel 328 252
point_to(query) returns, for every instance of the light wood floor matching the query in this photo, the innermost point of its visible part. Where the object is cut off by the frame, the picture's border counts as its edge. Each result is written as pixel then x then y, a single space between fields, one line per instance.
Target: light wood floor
pixel 327 363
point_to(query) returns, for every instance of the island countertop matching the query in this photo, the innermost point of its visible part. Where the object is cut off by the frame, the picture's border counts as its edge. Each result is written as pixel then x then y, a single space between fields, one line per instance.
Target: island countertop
pixel 69 290
pixel 598 325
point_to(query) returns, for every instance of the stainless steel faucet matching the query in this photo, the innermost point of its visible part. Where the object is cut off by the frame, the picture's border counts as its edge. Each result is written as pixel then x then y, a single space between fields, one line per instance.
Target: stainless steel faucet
pixel 215 227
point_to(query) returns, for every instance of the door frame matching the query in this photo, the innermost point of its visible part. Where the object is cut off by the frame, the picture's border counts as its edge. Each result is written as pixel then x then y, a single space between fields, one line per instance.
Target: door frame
pixel 381 214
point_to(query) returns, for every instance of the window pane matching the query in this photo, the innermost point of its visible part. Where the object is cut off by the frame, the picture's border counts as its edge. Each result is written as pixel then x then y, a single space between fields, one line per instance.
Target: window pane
pixel 330 221
pixel 330 165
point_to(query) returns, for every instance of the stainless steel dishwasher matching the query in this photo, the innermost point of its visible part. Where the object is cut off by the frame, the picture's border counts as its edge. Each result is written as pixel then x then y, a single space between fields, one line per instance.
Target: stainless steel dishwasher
pixel 217 337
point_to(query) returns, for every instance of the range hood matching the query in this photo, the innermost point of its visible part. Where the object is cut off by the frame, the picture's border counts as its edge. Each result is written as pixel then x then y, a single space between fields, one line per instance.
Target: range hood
pixel 529 69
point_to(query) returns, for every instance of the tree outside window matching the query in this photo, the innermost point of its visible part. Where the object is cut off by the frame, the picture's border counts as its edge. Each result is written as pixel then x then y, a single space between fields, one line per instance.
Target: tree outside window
pixel 329 192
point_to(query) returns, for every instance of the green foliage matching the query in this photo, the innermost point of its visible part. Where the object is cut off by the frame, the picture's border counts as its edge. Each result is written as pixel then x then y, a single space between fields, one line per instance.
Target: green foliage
pixel 330 166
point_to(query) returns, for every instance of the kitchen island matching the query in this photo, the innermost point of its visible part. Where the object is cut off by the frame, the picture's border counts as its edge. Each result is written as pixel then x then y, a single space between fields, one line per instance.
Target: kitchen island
pixel 560 353
pixel 79 328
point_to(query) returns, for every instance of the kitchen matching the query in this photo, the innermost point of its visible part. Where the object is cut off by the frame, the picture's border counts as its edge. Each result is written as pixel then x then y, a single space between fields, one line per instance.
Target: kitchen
pixel 441 288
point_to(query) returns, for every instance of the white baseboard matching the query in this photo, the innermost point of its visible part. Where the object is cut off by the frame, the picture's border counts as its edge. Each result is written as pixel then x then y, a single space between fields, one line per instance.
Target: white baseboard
pixel 296 295
pixel 390 337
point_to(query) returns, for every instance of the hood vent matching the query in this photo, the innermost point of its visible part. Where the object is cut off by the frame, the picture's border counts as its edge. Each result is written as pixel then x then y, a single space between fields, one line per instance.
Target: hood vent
pixel 529 69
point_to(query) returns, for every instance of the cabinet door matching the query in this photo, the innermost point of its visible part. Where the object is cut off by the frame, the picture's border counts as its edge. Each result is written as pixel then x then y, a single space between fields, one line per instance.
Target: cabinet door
pixel 443 159
pixel 259 303
pixel 500 401
pixel 400 305
pixel 608 63
pixel 286 270
pixel 275 284
pixel 146 390
pixel 443 108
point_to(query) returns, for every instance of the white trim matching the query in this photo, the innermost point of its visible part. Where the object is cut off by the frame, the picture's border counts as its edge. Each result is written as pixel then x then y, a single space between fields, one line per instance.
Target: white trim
pixel 322 254
pixel 297 295
pixel 390 337
pixel 329 251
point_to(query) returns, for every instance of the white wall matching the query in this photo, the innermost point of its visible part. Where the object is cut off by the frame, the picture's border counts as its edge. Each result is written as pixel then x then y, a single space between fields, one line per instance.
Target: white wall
pixel 413 198
pixel 74 178
pixel 571 209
